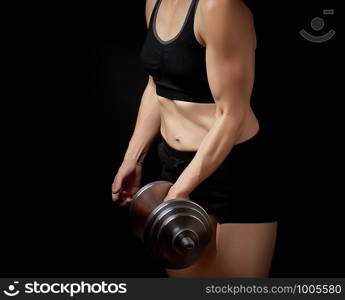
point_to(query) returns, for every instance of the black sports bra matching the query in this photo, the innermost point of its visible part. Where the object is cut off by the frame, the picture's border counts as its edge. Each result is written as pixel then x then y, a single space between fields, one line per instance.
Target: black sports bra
pixel 177 66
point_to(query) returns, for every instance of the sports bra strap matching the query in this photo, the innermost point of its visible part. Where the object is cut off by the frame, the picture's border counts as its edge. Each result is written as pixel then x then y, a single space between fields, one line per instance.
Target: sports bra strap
pixel 153 13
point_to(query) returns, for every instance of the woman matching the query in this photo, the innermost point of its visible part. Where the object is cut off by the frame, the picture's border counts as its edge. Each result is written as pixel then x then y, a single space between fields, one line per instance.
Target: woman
pixel 200 56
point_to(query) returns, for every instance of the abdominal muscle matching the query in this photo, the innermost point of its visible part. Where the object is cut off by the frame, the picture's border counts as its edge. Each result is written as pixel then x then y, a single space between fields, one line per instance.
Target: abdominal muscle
pixel 185 124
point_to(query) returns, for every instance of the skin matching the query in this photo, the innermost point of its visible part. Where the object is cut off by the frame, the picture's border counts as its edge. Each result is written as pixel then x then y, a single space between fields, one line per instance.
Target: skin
pixel 211 129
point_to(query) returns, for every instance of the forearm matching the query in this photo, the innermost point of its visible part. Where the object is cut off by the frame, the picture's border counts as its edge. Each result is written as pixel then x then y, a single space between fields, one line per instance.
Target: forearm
pixel 212 151
pixel 147 125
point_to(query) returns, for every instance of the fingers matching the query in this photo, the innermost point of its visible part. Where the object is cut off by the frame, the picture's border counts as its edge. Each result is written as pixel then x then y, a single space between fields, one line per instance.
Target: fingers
pixel 126 202
pixel 120 195
pixel 116 189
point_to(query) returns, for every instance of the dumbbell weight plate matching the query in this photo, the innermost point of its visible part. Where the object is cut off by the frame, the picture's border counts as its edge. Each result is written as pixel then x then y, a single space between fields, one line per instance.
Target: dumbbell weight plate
pixel 177 232
pixel 144 201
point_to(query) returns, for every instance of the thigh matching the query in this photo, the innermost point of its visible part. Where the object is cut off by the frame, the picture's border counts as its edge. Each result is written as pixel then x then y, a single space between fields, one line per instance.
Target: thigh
pixel 245 249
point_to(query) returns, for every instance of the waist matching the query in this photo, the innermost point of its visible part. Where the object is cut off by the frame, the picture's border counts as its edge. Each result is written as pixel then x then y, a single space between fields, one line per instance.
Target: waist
pixel 243 147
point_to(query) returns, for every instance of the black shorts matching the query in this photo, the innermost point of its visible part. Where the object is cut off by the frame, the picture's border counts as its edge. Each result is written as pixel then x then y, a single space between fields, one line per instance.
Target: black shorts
pixel 238 191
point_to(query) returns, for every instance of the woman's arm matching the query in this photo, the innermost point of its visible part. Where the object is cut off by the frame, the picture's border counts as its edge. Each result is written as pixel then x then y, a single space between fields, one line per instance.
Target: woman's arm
pixel 147 125
pixel 226 27
pixel 148 120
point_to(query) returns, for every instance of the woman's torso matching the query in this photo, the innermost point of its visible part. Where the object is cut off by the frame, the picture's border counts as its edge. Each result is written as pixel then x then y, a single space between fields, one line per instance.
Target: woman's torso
pixel 184 124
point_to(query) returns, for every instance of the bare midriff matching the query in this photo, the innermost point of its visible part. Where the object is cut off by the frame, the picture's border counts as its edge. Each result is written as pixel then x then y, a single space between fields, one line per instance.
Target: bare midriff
pixel 185 124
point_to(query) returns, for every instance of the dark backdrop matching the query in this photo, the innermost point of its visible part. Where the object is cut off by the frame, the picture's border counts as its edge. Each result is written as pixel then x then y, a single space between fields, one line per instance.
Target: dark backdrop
pixel 76 110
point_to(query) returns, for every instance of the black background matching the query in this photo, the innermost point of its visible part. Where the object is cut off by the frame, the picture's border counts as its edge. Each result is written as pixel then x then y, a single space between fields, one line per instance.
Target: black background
pixel 76 85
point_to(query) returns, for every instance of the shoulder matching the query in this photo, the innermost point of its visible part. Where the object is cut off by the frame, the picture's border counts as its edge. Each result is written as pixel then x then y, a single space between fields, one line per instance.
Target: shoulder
pixel 222 6
pixel 226 19
pixel 225 10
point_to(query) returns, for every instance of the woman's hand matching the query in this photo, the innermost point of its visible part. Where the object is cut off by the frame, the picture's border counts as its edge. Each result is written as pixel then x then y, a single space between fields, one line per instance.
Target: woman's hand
pixel 126 182
pixel 174 195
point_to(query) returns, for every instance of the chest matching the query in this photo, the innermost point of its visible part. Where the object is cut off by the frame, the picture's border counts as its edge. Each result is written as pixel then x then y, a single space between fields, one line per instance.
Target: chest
pixel 181 58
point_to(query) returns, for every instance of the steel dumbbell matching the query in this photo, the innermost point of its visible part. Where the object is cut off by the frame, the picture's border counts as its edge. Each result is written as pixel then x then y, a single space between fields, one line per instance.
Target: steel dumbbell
pixel 175 232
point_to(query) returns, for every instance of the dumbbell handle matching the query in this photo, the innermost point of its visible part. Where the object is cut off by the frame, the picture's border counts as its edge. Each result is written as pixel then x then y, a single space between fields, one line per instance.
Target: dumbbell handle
pixel 187 243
